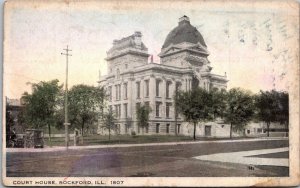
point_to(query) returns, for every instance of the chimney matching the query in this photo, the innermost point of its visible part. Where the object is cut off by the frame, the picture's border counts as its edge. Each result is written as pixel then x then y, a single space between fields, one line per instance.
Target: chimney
pixel 138 38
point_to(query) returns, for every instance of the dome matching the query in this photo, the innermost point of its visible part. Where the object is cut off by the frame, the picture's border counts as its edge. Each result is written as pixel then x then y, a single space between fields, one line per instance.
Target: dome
pixel 184 32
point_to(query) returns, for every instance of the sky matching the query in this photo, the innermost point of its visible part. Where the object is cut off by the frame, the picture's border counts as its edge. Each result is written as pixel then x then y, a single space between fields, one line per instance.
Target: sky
pixel 255 42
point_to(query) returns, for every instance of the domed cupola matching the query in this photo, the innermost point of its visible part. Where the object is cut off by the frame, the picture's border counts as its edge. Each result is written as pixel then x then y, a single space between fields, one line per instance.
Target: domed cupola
pixel 184 46
pixel 184 32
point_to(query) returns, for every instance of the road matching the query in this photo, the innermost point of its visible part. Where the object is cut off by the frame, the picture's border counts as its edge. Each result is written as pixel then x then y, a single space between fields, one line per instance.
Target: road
pixel 154 161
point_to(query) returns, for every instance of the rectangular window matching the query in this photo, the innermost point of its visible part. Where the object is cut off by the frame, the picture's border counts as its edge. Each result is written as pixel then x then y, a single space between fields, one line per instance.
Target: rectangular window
pixel 125 91
pixel 110 93
pixel 147 128
pixel 147 88
pixel 178 128
pixel 178 84
pixel 147 104
pixel 157 127
pixel 138 90
pixel 157 87
pixel 138 105
pixel 117 93
pixel 126 128
pixel 125 111
pixel 119 108
pixel 116 111
pixel 168 89
pixel 168 128
pixel 157 109
pixel 168 109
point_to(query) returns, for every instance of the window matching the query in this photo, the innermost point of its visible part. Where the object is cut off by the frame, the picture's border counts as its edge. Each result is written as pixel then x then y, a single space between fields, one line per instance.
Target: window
pixel 147 104
pixel 117 93
pixel 125 91
pixel 119 86
pixel 157 109
pixel 147 88
pixel 126 128
pixel 118 110
pixel 157 87
pixel 138 105
pixel 126 66
pixel 168 128
pixel 178 128
pixel 118 73
pixel 110 93
pixel 168 89
pixel 168 109
pixel 157 127
pixel 147 128
pixel 178 85
pixel 138 91
pixel 125 110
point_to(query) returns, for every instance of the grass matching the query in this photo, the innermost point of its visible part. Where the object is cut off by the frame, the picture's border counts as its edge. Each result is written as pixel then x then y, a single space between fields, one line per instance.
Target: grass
pixel 119 139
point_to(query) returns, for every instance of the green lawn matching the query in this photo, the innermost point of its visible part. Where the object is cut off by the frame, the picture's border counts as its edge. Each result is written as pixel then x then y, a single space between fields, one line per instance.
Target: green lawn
pixel 120 139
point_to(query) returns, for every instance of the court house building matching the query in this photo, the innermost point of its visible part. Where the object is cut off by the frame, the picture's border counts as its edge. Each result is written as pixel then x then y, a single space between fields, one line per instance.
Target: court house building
pixel 132 81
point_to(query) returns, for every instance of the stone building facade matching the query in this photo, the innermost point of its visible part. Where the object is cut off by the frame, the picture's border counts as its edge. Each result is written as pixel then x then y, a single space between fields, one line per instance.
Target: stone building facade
pixel 132 80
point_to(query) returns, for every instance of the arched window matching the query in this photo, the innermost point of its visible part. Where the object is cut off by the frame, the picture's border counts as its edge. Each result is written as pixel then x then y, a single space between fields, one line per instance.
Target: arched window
pixel 118 73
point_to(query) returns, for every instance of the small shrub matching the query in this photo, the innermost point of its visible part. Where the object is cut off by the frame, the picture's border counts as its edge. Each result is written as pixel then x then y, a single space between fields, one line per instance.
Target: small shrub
pixel 133 133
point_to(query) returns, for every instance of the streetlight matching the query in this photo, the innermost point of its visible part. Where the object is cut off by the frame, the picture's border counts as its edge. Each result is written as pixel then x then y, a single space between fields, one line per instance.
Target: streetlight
pixel 67 50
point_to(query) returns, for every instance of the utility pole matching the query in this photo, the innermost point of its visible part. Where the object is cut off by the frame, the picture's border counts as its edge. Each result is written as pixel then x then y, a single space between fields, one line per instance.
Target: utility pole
pixel 67 50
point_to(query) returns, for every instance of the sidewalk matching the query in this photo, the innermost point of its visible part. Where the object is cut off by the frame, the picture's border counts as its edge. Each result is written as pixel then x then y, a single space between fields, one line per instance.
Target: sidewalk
pixel 60 148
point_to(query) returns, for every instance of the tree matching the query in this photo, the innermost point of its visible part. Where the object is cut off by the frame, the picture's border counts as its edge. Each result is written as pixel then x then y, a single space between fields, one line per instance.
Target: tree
pixel 142 113
pixel 109 121
pixel 239 109
pixel 41 105
pixel 272 106
pixel 218 102
pixel 282 114
pixel 85 104
pixel 195 106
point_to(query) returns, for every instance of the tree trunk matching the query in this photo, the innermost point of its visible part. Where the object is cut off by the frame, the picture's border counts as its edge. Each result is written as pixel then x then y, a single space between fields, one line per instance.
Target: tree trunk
pixel 230 130
pixel 49 132
pixel 268 129
pixel 109 133
pixel 175 121
pixel 82 127
pixel 195 130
